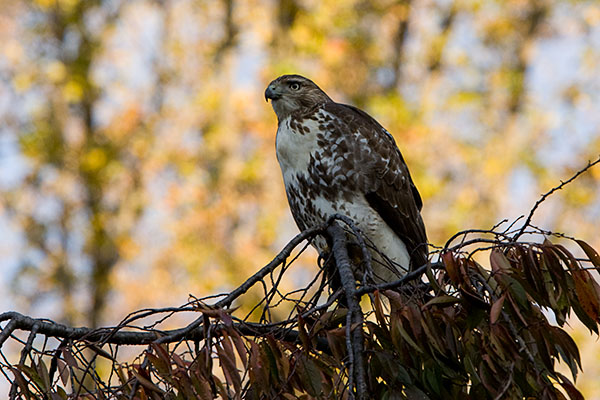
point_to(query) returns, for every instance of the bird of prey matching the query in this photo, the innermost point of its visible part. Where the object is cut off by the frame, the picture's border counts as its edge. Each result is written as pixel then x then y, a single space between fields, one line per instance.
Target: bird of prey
pixel 336 159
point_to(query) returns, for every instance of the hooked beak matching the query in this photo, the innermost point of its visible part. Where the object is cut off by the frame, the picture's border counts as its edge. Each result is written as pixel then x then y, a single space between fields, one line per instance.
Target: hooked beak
pixel 271 93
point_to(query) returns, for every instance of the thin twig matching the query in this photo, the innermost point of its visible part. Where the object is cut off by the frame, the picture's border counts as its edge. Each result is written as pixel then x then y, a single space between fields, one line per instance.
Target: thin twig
pixel 589 165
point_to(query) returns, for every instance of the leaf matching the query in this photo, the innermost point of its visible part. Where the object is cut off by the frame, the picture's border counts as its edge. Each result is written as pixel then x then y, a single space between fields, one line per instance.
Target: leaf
pixel 496 309
pixel 227 360
pixel 146 383
pixel 310 375
pixel 444 300
pixel 239 345
pixel 517 291
pixel 43 372
pixel 21 382
pixel 337 345
pixel 161 366
pixel 63 371
pixel 306 343
pixel 100 352
pixel 228 347
pixel 61 393
pixel 414 393
pixel 256 368
pixel 586 290
pixel 33 375
pixel 202 387
pixel 451 267
pixel 571 390
pixel 432 335
pixel 69 359
pixel 379 311
pixel 391 371
pixel 499 262
pixel 568 349
pixel 399 329
pixel 590 252
pixel 270 355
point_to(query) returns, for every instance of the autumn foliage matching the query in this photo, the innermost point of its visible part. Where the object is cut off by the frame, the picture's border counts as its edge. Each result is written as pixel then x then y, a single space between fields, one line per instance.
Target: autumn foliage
pixel 453 329
pixel 137 165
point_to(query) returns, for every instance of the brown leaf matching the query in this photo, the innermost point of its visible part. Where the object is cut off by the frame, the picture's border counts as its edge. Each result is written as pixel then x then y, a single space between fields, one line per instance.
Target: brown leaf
pixel 497 309
pixel 499 262
pixel 306 343
pixel 21 382
pixel 227 360
pixel 146 383
pixel 69 359
pixel 587 291
pixel 451 267
pixel 63 371
pixel 379 311
pixel 571 390
pixel 161 351
pixel 443 301
pixel 590 252
pixel 100 352
pixel 239 345
pixel 202 386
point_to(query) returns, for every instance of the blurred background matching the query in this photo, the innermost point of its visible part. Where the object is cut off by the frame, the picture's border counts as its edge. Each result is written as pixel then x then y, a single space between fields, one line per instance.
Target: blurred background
pixel 137 158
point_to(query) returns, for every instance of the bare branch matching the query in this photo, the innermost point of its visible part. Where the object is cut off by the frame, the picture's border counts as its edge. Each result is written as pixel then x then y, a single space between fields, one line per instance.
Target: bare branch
pixel 527 223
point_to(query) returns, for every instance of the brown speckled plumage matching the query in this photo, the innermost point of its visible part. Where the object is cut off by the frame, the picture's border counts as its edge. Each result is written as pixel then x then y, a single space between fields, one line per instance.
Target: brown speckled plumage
pixel 335 158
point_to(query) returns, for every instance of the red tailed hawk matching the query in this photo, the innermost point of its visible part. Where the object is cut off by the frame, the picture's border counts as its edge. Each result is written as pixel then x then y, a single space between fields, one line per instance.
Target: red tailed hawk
pixel 336 158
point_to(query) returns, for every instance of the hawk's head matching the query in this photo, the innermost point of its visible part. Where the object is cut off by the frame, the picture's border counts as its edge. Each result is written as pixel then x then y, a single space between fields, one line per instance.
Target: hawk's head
pixel 294 93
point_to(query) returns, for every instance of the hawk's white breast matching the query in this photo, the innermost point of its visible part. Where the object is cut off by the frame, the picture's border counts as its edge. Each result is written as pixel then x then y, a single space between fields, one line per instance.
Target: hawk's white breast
pixel 294 149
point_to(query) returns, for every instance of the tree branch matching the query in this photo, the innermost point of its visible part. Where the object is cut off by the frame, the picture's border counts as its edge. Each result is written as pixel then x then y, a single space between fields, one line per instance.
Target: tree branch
pixel 354 321
pixel 527 223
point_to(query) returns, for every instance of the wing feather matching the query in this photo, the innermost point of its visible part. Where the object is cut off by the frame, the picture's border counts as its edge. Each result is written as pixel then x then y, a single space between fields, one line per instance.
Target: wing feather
pixel 385 179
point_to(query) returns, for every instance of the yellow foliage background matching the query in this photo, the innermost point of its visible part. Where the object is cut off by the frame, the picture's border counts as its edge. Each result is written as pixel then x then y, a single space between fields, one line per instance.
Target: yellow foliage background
pixel 137 153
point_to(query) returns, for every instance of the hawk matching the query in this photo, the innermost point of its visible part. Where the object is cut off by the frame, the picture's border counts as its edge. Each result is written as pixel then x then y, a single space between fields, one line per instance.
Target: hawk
pixel 336 159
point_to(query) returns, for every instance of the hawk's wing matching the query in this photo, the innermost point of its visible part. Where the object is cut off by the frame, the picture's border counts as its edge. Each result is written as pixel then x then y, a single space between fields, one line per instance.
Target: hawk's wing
pixel 384 178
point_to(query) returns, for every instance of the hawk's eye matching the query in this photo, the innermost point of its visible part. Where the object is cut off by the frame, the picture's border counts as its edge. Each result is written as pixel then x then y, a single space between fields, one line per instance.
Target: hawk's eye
pixel 294 86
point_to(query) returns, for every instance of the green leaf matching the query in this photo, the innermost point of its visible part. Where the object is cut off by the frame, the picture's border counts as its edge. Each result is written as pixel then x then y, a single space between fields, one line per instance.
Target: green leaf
pixel 33 375
pixel 310 375
pixel 391 370
pixel 444 300
pixel 399 330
